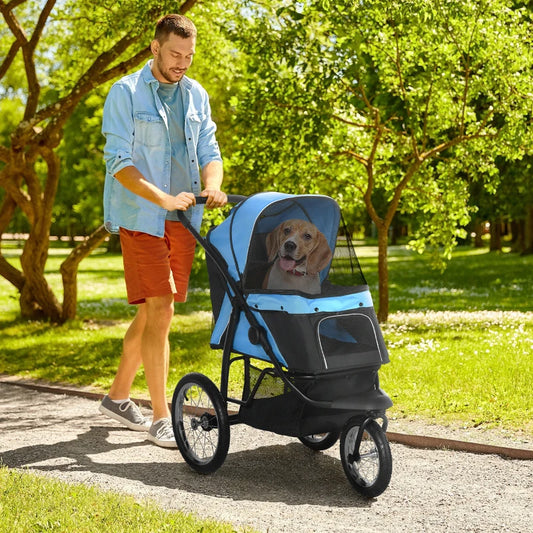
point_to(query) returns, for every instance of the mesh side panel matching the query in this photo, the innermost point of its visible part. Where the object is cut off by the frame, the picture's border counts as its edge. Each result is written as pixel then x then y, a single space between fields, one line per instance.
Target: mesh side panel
pixel 345 268
pixel 320 342
pixel 217 286
pixel 269 386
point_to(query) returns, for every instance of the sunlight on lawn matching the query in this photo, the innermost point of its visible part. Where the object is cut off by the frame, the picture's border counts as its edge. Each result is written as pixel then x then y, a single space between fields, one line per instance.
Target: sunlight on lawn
pixel 460 341
pixel 472 366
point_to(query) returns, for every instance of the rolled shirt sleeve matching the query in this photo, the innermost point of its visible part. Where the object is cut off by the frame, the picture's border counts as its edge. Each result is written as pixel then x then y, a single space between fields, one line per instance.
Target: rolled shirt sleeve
pixel 118 128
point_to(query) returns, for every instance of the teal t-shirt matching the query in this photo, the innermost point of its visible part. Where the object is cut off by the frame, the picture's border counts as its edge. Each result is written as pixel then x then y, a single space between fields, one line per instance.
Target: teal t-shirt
pixel 180 177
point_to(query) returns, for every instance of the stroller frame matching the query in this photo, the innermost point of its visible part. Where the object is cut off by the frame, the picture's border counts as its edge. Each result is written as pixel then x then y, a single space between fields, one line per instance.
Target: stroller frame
pixel 199 406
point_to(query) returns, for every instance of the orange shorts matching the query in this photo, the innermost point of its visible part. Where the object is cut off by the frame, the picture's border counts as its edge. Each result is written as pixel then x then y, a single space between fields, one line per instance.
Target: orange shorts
pixel 157 266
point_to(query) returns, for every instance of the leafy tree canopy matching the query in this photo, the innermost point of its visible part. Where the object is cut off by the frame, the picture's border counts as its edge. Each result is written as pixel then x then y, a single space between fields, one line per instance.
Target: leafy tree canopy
pixel 401 101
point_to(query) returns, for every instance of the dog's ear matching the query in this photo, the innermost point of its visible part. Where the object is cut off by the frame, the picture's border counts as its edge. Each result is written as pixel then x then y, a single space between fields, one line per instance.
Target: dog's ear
pixel 272 243
pixel 320 256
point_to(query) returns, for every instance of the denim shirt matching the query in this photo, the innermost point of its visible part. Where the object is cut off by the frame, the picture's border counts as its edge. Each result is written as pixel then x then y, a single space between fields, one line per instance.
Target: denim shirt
pixel 135 126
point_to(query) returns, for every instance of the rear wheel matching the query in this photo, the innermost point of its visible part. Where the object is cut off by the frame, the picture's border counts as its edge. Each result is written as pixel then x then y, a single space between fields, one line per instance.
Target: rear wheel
pixel 368 468
pixel 200 422
pixel 320 441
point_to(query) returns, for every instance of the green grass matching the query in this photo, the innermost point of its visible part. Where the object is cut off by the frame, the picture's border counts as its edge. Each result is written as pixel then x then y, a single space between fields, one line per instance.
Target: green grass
pixel 460 341
pixel 468 367
pixel 30 503
pixel 474 280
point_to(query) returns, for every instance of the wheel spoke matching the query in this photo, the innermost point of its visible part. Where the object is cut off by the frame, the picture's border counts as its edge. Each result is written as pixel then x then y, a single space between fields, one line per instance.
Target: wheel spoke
pixel 201 422
pixel 370 473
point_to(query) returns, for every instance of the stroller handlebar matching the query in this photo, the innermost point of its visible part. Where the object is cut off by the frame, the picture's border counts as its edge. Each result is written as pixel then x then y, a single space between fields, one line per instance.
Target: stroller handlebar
pixel 232 199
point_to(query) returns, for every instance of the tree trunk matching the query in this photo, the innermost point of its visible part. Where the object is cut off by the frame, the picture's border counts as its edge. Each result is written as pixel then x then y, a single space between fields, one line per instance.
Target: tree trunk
pixel 69 271
pixel 495 235
pixel 517 240
pixel 383 274
pixel 478 231
pixel 37 300
pixel 528 232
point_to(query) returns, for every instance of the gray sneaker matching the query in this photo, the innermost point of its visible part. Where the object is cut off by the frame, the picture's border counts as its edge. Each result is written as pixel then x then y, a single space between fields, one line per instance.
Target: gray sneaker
pixel 126 412
pixel 162 434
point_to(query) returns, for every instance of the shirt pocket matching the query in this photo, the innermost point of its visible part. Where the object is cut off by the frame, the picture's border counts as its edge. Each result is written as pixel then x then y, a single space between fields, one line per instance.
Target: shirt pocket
pixel 194 122
pixel 150 130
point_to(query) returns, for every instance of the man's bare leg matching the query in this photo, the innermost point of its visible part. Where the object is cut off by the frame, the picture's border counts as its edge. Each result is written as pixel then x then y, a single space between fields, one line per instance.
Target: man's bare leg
pixel 131 359
pixel 155 351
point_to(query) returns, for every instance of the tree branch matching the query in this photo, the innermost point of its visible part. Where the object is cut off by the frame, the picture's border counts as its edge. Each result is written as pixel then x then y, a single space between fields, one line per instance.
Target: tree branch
pixel 186 6
pixel 94 76
pixel 4 154
pixel 41 23
pixel 69 270
pixel 354 155
pixel 50 187
pixel 13 4
pixel 13 275
pixel 370 175
pixel 7 270
pixel 28 51
pixel 11 54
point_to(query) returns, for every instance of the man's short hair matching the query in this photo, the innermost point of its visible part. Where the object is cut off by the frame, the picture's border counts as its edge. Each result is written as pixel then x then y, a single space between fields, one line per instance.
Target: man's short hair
pixel 177 24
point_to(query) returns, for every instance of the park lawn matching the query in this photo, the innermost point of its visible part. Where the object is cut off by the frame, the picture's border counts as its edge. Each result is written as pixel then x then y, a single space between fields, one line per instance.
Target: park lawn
pixel 460 341
pixel 31 503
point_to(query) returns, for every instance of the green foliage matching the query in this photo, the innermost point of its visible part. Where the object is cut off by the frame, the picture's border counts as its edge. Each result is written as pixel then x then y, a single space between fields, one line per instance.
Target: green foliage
pixel 78 207
pixel 415 98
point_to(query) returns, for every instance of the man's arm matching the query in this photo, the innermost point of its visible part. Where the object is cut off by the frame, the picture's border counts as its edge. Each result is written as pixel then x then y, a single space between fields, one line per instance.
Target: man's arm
pixel 212 176
pixel 133 180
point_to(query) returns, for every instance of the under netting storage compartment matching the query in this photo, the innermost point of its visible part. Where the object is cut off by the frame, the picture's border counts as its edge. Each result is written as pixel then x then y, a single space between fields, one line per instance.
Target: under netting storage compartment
pixel 276 407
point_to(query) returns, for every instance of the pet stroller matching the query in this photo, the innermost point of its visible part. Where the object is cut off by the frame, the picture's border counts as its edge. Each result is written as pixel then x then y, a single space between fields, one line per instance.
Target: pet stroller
pixel 307 364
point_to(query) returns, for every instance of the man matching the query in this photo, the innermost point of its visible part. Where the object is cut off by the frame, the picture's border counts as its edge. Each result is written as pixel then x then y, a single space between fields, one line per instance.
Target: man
pixel 160 145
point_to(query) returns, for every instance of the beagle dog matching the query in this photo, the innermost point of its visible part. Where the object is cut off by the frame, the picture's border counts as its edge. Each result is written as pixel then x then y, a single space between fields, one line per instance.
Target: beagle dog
pixel 298 251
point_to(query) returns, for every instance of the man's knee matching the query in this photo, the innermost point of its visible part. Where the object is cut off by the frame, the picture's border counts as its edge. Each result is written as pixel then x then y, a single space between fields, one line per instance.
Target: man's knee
pixel 159 309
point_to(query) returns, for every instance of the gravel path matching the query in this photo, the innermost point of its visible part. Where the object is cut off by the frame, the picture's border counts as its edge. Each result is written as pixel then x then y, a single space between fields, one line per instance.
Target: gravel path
pixel 269 482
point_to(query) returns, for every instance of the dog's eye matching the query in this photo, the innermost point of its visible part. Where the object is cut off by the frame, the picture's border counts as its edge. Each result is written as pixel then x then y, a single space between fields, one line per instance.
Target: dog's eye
pixel 287 230
pixel 308 236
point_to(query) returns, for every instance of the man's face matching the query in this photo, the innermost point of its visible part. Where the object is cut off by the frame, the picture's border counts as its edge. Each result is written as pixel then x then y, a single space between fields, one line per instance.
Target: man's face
pixel 172 58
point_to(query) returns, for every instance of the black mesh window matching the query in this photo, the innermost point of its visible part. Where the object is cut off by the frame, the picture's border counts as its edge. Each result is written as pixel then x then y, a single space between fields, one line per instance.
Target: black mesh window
pixel 348 341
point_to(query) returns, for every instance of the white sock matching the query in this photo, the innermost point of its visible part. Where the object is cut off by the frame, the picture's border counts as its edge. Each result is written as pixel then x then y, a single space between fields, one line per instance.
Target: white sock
pixel 120 401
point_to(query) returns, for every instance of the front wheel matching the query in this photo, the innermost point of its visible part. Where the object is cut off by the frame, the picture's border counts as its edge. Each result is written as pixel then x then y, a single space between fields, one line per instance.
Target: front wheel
pixel 320 441
pixel 368 468
pixel 200 422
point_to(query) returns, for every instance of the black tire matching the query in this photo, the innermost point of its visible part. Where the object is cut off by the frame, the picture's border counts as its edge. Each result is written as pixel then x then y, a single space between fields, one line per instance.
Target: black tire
pixel 370 469
pixel 320 441
pixel 200 423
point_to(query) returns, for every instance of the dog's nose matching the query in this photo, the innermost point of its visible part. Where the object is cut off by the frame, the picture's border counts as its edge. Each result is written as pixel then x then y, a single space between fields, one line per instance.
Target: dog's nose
pixel 290 246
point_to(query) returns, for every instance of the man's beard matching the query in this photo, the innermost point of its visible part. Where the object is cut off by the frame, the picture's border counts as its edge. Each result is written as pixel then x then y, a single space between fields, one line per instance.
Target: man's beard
pixel 167 73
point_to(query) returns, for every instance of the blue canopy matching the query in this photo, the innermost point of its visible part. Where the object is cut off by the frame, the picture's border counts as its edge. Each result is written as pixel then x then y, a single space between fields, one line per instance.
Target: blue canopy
pixel 261 213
